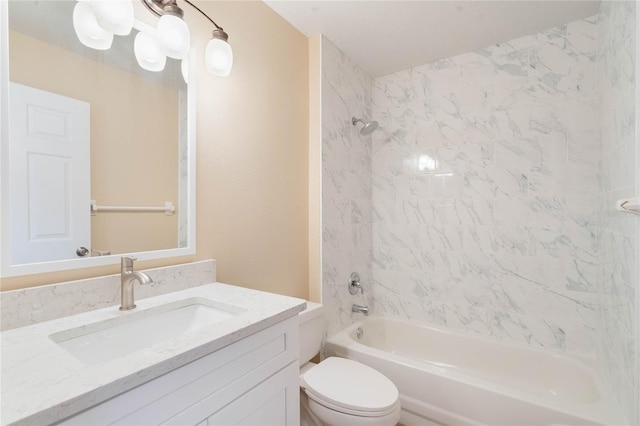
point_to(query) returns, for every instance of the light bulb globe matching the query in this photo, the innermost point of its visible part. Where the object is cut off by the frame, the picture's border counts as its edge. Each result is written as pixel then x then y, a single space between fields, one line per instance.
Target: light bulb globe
pixel 115 16
pixel 173 36
pixel 87 29
pixel 218 57
pixel 148 53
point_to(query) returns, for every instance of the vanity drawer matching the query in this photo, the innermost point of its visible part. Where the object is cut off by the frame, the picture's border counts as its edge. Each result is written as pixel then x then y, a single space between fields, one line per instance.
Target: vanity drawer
pixel 220 377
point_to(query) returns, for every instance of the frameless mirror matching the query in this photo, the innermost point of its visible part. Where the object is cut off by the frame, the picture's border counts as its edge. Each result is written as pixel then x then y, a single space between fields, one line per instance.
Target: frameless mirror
pixel 97 153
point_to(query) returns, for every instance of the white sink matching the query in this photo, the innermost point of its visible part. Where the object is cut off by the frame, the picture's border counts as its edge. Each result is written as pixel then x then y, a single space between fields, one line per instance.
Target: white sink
pixel 114 338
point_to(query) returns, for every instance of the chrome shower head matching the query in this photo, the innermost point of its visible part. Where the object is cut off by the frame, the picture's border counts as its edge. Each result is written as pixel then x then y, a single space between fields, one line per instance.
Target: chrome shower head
pixel 368 127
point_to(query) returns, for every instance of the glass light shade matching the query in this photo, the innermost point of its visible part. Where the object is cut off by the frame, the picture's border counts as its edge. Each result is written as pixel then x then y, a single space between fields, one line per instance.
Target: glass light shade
pixel 148 53
pixel 89 32
pixel 218 57
pixel 173 36
pixel 115 16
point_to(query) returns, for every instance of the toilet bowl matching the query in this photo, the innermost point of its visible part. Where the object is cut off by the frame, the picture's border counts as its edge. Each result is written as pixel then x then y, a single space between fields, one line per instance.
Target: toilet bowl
pixel 340 391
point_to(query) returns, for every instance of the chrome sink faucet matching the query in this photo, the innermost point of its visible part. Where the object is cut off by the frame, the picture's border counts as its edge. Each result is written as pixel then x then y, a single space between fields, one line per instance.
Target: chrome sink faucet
pixel 127 277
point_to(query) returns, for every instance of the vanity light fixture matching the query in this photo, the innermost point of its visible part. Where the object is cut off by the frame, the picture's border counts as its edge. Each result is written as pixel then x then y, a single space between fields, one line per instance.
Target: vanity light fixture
pixel 171 33
pixel 96 22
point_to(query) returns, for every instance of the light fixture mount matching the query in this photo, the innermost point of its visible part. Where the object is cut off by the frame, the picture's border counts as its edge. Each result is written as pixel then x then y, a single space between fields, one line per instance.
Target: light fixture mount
pixel 220 34
pixel 163 7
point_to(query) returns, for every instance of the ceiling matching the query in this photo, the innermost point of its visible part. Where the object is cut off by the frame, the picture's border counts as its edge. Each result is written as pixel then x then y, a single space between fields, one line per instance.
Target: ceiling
pixel 388 36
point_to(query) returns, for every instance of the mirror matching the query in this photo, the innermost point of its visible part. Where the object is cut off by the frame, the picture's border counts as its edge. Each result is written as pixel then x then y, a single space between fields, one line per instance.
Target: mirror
pixel 98 154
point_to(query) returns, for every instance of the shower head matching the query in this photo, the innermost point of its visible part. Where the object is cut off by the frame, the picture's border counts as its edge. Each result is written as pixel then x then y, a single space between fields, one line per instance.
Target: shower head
pixel 368 128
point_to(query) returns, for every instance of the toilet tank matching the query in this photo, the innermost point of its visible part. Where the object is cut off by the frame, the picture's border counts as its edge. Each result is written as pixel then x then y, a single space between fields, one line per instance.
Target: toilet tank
pixel 311 322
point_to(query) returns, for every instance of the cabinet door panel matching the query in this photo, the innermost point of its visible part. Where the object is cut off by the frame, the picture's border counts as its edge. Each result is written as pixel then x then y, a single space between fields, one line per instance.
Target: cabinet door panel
pixel 274 402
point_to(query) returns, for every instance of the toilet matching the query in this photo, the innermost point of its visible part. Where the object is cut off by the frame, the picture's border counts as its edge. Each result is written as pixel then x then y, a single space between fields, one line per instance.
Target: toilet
pixel 339 391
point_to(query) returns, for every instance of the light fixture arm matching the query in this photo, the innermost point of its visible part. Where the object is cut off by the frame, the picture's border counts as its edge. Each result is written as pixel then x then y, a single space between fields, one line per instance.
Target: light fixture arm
pixel 160 7
pixel 204 14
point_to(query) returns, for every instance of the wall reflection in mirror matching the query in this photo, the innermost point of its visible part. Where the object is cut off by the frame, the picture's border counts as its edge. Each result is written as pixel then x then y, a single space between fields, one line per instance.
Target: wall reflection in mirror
pixel 87 124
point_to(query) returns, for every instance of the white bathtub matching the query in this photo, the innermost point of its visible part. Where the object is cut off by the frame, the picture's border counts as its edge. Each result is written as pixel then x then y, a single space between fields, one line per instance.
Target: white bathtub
pixel 457 379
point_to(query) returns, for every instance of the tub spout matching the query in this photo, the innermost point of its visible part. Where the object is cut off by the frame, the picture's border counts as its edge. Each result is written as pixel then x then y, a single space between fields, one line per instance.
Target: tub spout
pixel 359 308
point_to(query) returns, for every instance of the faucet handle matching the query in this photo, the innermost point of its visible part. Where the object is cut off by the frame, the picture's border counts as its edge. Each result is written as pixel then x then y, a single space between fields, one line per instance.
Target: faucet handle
pixel 354 284
pixel 127 261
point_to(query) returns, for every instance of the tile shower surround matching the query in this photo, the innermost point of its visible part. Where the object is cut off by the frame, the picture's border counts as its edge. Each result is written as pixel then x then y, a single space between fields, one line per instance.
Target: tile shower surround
pixel 478 178
pixel 484 188
pixel 346 186
pixel 490 207
pixel 617 233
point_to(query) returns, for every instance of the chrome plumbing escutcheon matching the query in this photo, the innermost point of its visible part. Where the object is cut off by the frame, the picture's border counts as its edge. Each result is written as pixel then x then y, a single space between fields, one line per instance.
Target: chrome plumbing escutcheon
pixel 354 284
pixel 359 332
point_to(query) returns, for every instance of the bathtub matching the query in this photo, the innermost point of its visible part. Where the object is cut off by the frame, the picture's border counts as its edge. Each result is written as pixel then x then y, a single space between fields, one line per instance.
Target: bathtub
pixel 446 378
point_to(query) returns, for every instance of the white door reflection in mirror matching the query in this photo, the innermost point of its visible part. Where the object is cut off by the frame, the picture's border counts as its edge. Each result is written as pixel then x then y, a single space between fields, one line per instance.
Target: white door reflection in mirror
pixel 49 175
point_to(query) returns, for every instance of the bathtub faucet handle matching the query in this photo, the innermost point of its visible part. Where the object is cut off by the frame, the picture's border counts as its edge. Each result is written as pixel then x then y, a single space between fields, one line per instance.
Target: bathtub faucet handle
pixel 354 284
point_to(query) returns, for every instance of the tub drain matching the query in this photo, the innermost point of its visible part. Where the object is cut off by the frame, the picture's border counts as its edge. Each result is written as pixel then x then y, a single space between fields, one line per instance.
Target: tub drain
pixel 359 332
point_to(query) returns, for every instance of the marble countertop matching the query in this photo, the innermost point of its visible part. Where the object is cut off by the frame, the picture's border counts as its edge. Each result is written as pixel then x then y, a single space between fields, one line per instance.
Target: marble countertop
pixel 41 383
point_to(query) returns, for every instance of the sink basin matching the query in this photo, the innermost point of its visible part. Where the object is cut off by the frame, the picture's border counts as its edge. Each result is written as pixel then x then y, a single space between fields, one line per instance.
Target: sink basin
pixel 114 338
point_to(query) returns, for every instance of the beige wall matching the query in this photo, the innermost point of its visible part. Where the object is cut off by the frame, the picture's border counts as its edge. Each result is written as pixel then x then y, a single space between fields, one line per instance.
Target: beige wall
pixel 134 156
pixel 252 155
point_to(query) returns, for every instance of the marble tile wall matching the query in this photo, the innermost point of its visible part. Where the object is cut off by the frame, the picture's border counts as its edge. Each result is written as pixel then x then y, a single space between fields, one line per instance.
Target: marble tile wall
pixel 617 233
pixel 37 304
pixel 492 182
pixel 484 187
pixel 346 185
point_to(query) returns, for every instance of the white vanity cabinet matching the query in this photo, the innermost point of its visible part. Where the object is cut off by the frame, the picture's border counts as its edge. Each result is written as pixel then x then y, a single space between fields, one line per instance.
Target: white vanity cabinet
pixel 253 381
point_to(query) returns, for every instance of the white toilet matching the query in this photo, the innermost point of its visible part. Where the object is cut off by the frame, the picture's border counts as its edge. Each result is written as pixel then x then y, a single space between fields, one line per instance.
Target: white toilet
pixel 339 391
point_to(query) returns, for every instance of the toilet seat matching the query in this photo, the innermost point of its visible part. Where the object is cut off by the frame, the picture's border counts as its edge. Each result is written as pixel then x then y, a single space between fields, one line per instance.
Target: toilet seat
pixel 351 412
pixel 349 387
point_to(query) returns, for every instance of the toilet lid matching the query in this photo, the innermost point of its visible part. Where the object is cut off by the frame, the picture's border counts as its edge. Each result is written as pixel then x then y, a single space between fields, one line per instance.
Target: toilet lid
pixel 345 384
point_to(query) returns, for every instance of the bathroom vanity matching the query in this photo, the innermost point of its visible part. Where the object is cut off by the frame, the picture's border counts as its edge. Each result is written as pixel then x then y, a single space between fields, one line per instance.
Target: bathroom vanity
pixel 213 354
